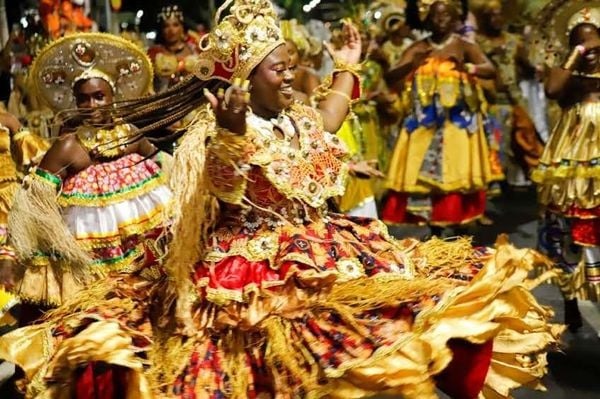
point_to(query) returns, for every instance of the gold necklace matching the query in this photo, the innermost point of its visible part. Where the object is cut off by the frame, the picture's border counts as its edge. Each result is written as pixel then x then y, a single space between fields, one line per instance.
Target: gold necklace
pixel 105 143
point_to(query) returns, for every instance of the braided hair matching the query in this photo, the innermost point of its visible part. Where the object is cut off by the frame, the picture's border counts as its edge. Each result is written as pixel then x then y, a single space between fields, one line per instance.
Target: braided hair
pixel 154 113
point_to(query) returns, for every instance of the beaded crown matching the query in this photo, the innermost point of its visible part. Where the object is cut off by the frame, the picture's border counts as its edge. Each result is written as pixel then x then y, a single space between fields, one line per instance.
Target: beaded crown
pixel 239 41
pixel 168 12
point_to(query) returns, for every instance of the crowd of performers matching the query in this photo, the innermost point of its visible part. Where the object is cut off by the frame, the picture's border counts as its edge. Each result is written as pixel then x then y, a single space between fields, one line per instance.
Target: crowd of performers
pixel 206 218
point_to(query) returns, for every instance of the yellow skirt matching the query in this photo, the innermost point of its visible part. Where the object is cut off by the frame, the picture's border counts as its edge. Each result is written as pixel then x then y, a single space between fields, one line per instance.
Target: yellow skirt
pixel 462 166
pixel 569 172
pixel 357 190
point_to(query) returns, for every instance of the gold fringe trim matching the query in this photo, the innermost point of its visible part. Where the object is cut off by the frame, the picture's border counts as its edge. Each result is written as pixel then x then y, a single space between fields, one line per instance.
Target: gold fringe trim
pixel 94 295
pixel 285 355
pixel 35 224
pixel 437 253
pixel 365 294
pixel 194 213
pixel 169 355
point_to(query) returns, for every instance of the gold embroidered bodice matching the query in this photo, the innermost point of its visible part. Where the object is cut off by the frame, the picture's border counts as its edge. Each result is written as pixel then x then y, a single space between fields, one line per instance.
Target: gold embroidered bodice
pixel 266 173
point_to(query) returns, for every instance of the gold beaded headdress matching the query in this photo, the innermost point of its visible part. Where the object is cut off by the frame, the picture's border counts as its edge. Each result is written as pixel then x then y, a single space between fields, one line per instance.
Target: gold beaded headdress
pixel 425 5
pixel 555 23
pixel 64 62
pixel 239 41
pixel 168 12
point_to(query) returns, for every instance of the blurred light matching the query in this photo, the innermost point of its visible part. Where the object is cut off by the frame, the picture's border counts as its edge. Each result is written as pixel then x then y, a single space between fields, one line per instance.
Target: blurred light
pixel 377 14
pixel 312 4
pixel 139 14
pixel 24 22
pixel 151 35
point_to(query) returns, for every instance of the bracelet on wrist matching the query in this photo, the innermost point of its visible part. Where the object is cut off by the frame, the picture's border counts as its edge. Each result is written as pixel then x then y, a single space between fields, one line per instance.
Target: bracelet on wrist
pixel 342 66
pixel 354 70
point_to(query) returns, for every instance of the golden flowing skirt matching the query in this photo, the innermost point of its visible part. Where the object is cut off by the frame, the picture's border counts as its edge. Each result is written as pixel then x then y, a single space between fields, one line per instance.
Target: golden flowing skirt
pixel 465 161
pixel 568 176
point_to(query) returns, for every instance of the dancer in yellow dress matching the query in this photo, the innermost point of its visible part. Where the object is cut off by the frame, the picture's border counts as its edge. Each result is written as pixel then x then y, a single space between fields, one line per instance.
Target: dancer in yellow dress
pixel 441 167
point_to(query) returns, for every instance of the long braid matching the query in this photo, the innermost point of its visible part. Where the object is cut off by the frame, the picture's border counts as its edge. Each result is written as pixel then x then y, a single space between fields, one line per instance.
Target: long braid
pixel 155 112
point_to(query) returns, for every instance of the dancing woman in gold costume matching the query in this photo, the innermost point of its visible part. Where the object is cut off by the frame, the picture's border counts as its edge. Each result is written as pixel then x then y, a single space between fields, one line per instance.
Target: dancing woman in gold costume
pixel 568 176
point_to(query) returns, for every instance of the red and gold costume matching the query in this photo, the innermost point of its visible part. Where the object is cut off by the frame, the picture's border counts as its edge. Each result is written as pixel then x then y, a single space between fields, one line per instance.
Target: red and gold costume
pixel 290 298
pixel 281 297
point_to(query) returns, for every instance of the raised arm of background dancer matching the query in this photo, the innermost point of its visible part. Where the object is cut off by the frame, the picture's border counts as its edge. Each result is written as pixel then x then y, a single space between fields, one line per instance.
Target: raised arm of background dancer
pixel 558 79
pixel 556 82
pixel 336 105
pixel 484 68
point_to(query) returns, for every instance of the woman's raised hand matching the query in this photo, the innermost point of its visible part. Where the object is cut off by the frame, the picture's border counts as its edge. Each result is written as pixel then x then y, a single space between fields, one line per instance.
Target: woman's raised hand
pixel 230 106
pixel 350 51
